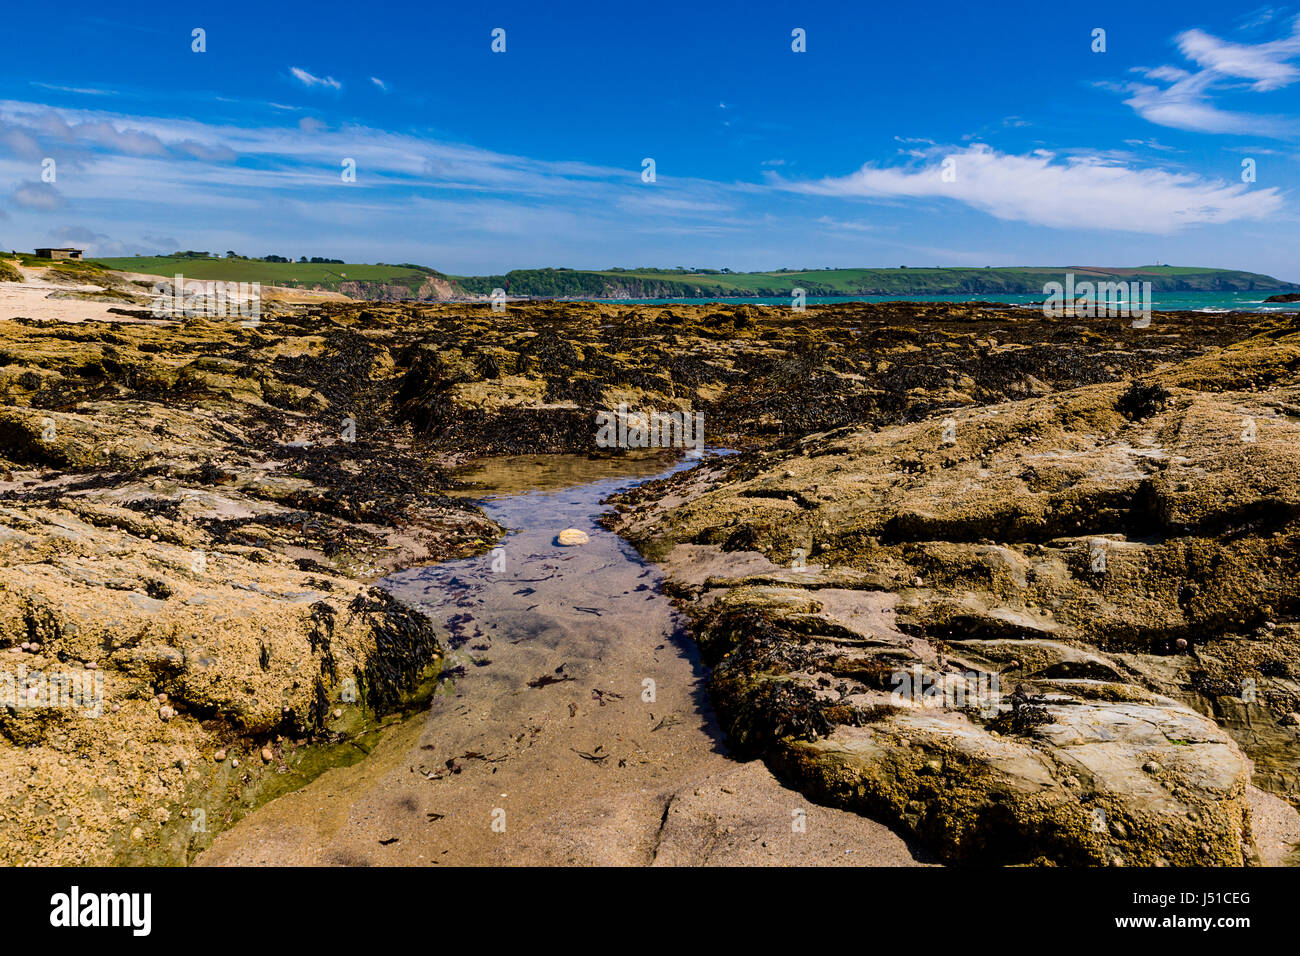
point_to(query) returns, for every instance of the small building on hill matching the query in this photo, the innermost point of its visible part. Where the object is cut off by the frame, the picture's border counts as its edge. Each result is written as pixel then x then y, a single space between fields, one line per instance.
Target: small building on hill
pixel 59 253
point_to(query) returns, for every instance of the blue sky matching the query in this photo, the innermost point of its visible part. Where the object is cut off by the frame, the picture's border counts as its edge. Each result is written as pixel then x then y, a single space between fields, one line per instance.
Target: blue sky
pixel 474 162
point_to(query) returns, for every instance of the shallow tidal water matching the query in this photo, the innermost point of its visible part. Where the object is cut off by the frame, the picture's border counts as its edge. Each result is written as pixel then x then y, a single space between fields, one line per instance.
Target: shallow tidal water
pixel 572 725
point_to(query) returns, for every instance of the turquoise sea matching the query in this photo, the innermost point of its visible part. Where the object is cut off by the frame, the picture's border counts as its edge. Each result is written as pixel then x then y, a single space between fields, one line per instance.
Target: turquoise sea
pixel 1168 301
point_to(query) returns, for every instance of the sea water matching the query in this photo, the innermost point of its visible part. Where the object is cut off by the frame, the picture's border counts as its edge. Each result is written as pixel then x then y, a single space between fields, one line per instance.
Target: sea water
pixel 1237 301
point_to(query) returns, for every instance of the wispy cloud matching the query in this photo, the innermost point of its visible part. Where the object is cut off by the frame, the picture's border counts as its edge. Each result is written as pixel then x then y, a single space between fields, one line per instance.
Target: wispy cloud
pixel 309 80
pixel 1187 101
pixel 379 83
pixel 298 167
pixel 205 151
pixel 81 90
pixel 1259 17
pixel 1149 144
pixel 1266 64
pixel 1075 192
pixel 31 131
pixel 460 206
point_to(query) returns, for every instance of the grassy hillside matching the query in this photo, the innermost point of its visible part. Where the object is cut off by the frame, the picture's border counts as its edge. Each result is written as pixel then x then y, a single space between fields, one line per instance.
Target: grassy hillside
pixel 303 274
pixel 380 281
pixel 656 283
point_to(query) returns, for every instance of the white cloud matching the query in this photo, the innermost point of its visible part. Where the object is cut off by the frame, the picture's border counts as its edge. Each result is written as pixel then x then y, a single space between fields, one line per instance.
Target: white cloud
pixel 205 151
pixel 379 83
pixel 1167 74
pixel 1149 144
pixel 465 208
pixel 20 143
pixel 81 90
pixel 296 165
pixel 36 131
pixel 34 195
pixel 1078 192
pixel 98 244
pixel 1264 63
pixel 1187 101
pixel 1185 105
pixel 308 80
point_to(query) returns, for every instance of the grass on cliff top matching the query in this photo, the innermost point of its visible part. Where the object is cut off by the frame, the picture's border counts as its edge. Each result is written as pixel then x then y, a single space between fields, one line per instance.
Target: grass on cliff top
pixel 578 283
pixel 327 275
pixel 897 281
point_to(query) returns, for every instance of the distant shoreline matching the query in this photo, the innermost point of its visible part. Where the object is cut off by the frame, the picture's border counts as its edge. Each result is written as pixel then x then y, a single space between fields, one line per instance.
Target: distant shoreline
pixel 387 282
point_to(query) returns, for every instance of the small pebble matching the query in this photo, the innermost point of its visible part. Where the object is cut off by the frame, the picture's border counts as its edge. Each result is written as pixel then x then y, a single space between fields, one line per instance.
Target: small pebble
pixel 267 755
pixel 219 756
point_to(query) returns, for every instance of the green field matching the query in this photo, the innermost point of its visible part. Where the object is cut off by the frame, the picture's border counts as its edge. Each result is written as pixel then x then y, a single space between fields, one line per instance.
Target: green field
pixel 303 274
pixel 681 283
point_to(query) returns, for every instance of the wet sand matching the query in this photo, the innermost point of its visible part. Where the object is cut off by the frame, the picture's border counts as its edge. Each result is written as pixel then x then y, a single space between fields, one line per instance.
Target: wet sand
pixel 575 728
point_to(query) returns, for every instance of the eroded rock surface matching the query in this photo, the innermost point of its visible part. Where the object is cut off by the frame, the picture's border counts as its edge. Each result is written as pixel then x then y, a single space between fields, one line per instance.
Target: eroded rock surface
pixel 1036 630
pixel 189 515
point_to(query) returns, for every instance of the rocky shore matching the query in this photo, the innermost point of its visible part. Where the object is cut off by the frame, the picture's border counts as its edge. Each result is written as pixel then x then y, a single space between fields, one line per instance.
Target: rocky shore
pixel 194 511
pixel 1058 629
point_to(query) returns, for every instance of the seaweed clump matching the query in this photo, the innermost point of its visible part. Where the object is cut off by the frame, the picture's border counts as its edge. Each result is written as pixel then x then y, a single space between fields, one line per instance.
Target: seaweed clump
pixel 406 645
pixel 758 704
